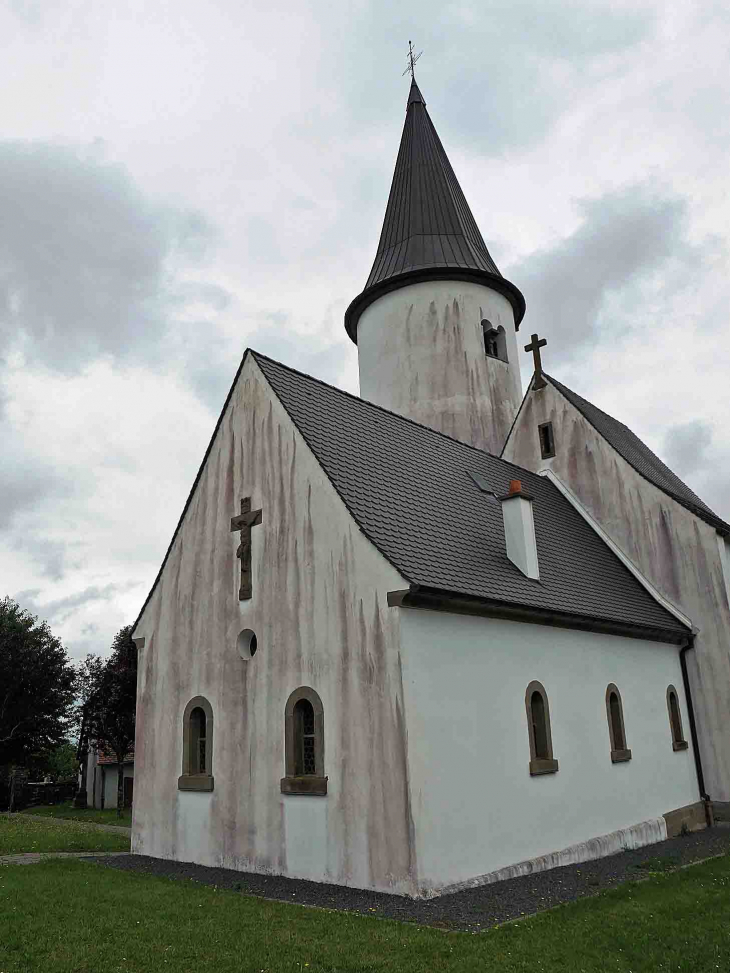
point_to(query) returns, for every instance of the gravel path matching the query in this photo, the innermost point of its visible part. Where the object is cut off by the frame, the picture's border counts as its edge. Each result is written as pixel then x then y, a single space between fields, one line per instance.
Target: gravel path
pixel 91 825
pixel 33 857
pixel 472 910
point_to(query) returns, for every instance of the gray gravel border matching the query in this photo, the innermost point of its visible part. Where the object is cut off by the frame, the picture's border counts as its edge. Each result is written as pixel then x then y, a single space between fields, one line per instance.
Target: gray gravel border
pixel 472 910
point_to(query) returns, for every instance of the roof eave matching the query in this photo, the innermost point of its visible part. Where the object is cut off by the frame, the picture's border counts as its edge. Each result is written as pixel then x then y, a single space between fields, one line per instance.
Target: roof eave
pixel 433 599
pixel 494 281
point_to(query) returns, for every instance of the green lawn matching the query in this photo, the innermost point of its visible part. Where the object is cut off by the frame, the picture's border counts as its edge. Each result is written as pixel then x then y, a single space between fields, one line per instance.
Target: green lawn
pixel 21 832
pixel 76 917
pixel 89 815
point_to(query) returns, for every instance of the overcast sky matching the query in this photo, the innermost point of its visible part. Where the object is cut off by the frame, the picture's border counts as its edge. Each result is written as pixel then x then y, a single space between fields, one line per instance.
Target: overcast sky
pixel 180 180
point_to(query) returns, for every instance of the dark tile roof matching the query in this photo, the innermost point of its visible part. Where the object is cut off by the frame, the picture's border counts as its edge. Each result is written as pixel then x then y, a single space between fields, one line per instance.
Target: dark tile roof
pixel 410 490
pixel 428 225
pixel 637 454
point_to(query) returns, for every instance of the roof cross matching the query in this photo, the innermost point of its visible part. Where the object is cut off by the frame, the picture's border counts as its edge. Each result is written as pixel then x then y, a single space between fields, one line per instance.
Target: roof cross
pixel 412 58
pixel 534 346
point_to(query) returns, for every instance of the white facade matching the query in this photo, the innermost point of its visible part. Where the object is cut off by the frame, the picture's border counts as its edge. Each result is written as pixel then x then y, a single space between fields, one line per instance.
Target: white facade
pixel 477 811
pixel 421 354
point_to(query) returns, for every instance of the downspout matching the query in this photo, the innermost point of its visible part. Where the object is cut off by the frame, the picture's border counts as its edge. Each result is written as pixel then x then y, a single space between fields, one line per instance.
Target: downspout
pixel 693 730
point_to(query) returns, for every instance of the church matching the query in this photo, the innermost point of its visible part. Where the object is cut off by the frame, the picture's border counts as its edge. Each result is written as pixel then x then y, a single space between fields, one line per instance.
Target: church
pixel 439 634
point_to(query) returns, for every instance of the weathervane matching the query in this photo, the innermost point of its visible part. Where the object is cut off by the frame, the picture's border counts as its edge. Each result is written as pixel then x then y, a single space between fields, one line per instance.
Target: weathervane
pixel 412 58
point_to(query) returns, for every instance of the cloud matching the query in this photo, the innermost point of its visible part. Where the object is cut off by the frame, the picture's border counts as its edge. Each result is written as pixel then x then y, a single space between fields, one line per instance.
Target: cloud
pixel 89 265
pixel 686 446
pixel 60 610
pixel 630 251
pixel 312 351
pixel 702 459
pixel 30 11
pixel 534 55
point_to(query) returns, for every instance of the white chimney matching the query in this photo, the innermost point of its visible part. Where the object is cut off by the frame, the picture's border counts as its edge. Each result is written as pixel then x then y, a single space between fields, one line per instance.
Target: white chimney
pixel 519 530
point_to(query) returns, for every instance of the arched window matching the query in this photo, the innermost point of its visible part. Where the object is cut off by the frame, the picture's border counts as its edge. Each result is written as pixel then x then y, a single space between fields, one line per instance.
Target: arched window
pixel 197 758
pixel 538 729
pixel 197 741
pixel 675 720
pixel 304 744
pixel 616 729
pixel 495 341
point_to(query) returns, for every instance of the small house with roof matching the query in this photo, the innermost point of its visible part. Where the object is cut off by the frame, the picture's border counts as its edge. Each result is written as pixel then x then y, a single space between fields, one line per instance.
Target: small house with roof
pixel 380 654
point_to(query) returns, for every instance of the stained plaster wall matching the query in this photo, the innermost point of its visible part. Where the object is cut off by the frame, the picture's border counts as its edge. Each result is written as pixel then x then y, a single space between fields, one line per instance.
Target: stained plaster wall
pixel 320 615
pixel 421 354
pixel 475 806
pixel 677 551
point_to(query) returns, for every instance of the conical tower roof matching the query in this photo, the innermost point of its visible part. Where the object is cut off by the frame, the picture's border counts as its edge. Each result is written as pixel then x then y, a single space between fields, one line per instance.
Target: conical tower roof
pixel 429 231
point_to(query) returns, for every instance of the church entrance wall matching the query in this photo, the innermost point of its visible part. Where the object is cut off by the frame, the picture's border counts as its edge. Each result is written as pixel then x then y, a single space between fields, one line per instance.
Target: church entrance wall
pixel 480 810
pixel 318 609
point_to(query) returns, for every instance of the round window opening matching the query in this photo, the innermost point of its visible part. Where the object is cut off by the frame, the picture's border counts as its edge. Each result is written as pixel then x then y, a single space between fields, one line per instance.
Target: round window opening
pixel 247 644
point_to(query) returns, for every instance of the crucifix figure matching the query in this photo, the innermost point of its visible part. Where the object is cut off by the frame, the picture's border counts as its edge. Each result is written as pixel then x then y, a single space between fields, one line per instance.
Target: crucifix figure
pixel 412 58
pixel 534 346
pixel 244 522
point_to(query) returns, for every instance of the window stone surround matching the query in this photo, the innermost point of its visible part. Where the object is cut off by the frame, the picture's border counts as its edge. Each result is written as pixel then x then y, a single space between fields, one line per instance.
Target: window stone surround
pixel 539 764
pixel 312 785
pixel 678 739
pixel 189 780
pixel 619 754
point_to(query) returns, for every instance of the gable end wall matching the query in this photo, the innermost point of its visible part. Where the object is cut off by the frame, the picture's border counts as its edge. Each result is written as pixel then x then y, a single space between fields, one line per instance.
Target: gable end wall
pixel 320 614
pixel 678 552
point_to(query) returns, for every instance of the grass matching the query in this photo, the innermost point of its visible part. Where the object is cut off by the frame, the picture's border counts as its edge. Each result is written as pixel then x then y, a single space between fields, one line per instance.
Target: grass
pixel 76 917
pixel 663 864
pixel 89 815
pixel 20 833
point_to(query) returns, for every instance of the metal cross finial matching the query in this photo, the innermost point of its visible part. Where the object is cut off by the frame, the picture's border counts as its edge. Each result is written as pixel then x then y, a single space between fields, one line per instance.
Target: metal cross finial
pixel 534 346
pixel 412 58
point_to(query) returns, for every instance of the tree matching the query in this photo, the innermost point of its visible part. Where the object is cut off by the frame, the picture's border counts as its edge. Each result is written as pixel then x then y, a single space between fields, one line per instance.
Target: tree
pixel 88 682
pixel 62 763
pixel 111 707
pixel 37 686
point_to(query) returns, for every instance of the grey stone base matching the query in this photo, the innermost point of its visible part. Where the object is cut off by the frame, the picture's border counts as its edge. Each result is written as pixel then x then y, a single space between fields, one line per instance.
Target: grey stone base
pixel 721 810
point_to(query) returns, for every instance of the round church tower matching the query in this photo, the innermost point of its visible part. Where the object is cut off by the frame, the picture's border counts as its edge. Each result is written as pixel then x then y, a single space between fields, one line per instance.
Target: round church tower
pixel 435 326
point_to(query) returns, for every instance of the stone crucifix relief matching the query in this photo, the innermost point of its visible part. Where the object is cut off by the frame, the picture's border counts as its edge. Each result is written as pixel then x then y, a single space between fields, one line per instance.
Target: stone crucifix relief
pixel 244 522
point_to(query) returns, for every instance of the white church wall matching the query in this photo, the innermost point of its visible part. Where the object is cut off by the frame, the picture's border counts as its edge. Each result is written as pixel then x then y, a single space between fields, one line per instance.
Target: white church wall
pixel 476 808
pixel 421 354
pixel 306 830
pixel 321 619
pixel 678 552
pixel 193 826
